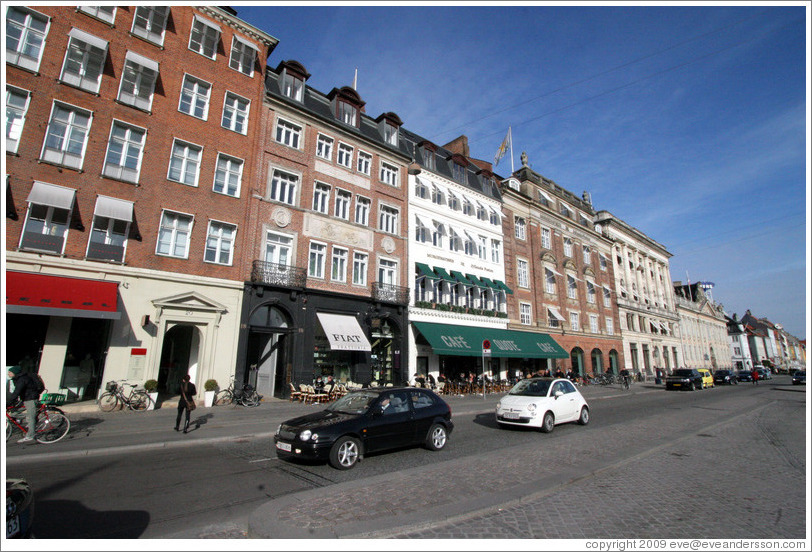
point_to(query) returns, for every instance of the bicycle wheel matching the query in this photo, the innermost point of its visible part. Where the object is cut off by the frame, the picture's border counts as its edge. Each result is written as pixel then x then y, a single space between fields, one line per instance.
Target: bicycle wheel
pixel 250 400
pixel 139 401
pixel 108 402
pixel 9 429
pixel 223 397
pixel 52 426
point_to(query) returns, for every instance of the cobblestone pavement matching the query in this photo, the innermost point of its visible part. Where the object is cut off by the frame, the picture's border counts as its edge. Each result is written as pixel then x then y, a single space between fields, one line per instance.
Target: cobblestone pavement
pixel 658 477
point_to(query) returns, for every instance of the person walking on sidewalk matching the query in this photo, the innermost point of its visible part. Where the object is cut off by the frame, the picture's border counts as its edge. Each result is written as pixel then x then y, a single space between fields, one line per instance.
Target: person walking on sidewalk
pixel 25 388
pixel 754 373
pixel 186 402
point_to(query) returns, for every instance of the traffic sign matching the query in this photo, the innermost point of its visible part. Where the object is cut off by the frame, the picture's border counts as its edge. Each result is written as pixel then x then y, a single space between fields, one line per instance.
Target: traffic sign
pixel 486 347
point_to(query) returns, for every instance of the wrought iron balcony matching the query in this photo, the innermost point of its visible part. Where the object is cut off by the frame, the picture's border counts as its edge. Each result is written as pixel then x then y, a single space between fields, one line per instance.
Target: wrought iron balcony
pixel 274 274
pixel 390 293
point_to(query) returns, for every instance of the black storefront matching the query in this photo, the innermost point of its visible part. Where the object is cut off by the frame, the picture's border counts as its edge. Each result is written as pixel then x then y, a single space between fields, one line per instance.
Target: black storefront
pixel 294 335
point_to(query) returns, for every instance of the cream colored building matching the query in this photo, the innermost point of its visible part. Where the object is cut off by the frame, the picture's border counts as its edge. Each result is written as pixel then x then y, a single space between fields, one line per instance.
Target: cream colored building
pixel 649 321
pixel 704 328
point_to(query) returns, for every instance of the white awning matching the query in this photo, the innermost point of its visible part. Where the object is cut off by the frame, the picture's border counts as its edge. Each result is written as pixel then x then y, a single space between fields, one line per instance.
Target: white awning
pixel 246 42
pixel 343 332
pixel 439 227
pixel 208 23
pixel 138 59
pixel 88 38
pixel 421 221
pixel 556 314
pixel 113 208
pixel 654 323
pixel 553 270
pixel 51 195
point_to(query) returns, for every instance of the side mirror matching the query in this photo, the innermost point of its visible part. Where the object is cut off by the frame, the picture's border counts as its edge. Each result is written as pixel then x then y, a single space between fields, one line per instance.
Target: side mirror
pixel 559 394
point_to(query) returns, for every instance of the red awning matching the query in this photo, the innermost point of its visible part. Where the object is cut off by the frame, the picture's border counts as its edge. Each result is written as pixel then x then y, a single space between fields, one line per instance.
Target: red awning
pixel 45 294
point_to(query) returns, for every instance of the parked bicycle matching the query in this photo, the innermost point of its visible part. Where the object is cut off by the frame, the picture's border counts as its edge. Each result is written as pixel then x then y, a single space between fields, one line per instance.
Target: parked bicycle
pixel 52 423
pixel 246 396
pixel 115 397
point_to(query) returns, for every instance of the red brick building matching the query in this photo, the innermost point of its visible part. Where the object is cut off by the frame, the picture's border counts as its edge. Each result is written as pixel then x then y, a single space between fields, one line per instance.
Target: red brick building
pixel 129 165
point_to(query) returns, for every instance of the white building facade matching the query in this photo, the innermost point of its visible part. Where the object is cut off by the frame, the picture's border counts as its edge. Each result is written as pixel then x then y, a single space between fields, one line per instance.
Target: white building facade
pixel 703 329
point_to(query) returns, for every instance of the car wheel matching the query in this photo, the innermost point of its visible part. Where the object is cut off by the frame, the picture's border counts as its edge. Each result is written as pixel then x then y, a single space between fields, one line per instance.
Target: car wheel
pixel 583 419
pixel 548 423
pixel 693 386
pixel 437 437
pixel 345 452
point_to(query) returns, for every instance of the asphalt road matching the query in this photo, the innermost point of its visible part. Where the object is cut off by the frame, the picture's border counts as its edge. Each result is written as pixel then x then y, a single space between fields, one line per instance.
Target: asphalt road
pixel 210 490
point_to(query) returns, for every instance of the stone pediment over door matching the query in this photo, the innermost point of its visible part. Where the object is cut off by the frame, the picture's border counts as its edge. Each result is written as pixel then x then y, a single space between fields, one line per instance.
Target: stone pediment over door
pixel 191 303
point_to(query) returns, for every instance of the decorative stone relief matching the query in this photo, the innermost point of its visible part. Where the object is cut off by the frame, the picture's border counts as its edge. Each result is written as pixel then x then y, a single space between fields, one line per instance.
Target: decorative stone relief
pixel 388 244
pixel 281 216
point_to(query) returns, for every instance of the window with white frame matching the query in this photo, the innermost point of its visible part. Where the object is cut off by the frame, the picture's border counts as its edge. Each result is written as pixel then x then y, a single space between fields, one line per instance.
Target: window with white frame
pixel 454 202
pixel 104 13
pixel 278 248
pixel 173 235
pixel 525 314
pixel 149 23
pixel 84 61
pixel 607 297
pixel 204 37
pixel 603 262
pixel 283 187
pixel 421 190
pixel 567 247
pixel 575 324
pixel 454 240
pixel 437 195
pixel 138 78
pixel 342 204
pixel 194 97
pixel 549 281
pixel 324 147
pixel 184 166
pixel 522 273
pixel 243 55
pixel 482 247
pixel 521 228
pixel 66 137
pixel 228 175
pixel 610 326
pixel 552 319
pixel 316 262
pixel 347 113
pixel 390 133
pixel 16 107
pixel 364 163
pixel 593 323
pixel 587 254
pixel 46 228
pixel 459 173
pixel 389 174
pixel 321 197
pixel 590 292
pixel 235 113
pixel 546 241
pixel 467 207
pixel 428 158
pixel 220 243
pixel 338 272
pixel 288 133
pixel 481 213
pixel 125 149
pixel 344 155
pixel 360 261
pixel 495 219
pixel 108 239
pixel 496 251
pixel 25 37
pixel 292 86
pixel 388 272
pixel 388 221
pixel 565 211
pixel 362 210
pixel 572 287
pixel 470 245
pixel 438 234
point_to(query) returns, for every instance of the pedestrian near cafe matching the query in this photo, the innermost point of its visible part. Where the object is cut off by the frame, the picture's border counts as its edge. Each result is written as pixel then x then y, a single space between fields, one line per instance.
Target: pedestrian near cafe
pixel 754 373
pixel 187 398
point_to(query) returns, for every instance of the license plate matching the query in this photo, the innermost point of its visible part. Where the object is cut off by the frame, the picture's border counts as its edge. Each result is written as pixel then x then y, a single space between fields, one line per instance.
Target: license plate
pixel 676 384
pixel 12 526
pixel 283 446
pixel 511 415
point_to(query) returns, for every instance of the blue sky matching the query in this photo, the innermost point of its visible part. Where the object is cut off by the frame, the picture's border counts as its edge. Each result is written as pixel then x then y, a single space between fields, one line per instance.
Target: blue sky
pixel 690 123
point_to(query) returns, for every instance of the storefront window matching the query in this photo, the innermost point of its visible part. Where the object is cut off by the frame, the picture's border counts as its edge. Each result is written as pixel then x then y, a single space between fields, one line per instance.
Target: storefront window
pixel 383 359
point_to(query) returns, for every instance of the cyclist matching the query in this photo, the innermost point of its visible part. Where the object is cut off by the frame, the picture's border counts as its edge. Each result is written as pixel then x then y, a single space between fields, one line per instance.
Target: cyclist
pixel 27 389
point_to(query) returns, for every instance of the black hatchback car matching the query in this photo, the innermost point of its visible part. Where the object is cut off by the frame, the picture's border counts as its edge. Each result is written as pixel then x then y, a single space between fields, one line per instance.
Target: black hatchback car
pixel 725 376
pixel 684 378
pixel 744 375
pixel 365 421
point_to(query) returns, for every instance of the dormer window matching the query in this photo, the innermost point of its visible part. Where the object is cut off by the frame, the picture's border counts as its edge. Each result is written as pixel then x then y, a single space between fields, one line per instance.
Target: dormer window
pixel 428 154
pixel 389 125
pixel 459 173
pixel 292 77
pixel 390 133
pixel 347 113
pixel 347 105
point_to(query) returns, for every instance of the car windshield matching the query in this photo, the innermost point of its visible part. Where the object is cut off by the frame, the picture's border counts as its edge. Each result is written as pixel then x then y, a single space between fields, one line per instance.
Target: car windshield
pixel 722 373
pixel 353 403
pixel 800 374
pixel 531 388
pixel 683 373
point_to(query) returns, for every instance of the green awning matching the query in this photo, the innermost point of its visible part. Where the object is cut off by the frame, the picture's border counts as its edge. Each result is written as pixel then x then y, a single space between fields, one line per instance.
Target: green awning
pixel 488 282
pixel 440 271
pixel 461 278
pixel 503 286
pixel 426 271
pixel 476 281
pixel 455 340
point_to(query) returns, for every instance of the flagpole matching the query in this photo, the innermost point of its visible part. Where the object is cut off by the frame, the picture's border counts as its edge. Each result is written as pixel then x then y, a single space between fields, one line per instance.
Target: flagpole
pixel 510 133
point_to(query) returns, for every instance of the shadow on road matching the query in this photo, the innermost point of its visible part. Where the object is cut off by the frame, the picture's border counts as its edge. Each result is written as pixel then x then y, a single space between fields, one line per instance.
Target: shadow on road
pixel 68 519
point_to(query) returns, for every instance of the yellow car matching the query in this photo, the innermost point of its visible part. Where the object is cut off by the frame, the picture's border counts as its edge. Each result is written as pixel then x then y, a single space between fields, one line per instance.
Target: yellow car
pixel 707 378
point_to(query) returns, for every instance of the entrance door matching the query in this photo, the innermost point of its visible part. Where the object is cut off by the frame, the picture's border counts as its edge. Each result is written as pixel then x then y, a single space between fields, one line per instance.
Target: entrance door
pixel 266 363
pixel 179 357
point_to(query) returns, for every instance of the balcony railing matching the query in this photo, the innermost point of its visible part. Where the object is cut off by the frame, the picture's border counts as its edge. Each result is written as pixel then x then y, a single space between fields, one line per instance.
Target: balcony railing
pixel 274 274
pixel 390 293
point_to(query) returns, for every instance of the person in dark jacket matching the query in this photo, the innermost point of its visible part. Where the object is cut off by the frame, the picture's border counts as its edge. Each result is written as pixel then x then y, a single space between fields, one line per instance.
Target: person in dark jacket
pixel 187 394
pixel 25 388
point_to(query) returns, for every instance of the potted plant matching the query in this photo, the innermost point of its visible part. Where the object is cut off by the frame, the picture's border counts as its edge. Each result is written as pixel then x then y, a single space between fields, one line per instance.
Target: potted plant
pixel 210 387
pixel 151 387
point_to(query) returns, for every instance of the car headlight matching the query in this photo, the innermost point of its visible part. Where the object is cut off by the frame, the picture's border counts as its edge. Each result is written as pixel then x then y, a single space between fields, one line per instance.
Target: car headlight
pixel 305 435
pixel 278 429
pixel 499 405
pixel 531 408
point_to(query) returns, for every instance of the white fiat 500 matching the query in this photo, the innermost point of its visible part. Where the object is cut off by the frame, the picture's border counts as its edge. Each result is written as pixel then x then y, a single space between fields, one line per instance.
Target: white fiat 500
pixel 542 403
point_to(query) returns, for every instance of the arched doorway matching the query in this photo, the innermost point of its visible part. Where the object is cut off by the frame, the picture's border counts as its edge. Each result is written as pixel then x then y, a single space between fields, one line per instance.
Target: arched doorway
pixel 179 356
pixel 266 360
pixel 614 361
pixel 597 361
pixel 577 360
